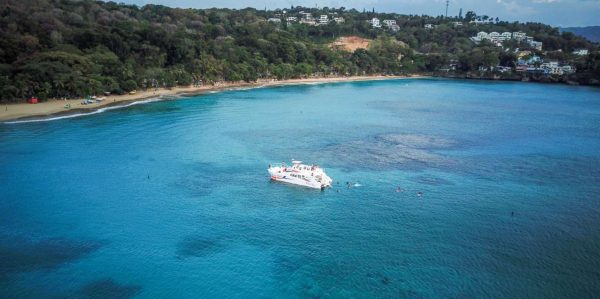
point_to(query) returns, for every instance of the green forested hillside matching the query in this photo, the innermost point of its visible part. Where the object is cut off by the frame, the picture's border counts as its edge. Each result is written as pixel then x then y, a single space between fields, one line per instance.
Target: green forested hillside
pixel 63 48
pixel 590 32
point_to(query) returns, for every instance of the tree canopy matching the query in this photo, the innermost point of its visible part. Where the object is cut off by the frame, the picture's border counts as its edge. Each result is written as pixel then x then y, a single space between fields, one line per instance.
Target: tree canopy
pixel 63 48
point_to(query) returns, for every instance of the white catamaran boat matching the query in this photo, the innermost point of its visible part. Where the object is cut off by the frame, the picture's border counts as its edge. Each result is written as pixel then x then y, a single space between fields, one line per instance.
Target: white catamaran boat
pixel 311 176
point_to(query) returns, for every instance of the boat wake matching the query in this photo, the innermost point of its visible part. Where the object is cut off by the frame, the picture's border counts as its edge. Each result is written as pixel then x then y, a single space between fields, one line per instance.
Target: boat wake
pixel 100 110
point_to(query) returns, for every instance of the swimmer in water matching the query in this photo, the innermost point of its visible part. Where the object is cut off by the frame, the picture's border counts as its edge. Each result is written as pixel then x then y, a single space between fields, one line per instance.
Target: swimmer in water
pixel 419 194
pixel 399 189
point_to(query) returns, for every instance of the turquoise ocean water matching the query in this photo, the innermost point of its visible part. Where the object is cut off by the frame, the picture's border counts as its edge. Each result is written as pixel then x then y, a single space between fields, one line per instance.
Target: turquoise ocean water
pixel 172 199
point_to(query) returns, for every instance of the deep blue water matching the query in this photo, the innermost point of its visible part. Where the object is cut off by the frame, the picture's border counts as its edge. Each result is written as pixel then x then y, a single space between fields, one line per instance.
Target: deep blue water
pixel 172 199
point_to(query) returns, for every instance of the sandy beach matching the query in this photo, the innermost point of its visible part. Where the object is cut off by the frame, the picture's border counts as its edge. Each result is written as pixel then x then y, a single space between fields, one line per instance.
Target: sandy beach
pixel 23 111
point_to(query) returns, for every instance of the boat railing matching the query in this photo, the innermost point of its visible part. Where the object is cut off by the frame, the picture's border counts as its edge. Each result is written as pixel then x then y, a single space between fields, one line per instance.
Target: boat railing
pixel 273 165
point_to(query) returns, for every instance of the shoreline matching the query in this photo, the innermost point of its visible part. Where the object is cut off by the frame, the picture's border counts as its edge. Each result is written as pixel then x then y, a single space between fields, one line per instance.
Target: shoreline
pixel 23 112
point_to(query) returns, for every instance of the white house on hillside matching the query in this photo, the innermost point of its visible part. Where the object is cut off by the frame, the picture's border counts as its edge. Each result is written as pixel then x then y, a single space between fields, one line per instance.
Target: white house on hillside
pixel 505 36
pixel 375 23
pixel 581 52
pixel 477 22
pixel 519 36
pixel 497 38
pixel 324 19
pixel 494 36
pixel 389 23
pixel 307 16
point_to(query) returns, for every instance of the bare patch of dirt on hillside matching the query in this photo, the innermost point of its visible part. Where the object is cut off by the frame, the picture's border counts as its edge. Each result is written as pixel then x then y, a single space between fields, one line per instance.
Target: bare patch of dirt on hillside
pixel 350 43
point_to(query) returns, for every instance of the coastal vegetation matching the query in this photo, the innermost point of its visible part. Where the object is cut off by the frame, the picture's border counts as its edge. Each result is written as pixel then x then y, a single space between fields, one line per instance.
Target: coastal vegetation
pixel 63 48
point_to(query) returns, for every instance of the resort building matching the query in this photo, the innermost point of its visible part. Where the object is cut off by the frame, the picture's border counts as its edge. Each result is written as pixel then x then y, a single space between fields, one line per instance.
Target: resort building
pixel 324 19
pixel 549 64
pixel 479 37
pixel 389 23
pixel 307 18
pixel 307 22
pixel 339 20
pixel 428 26
pixel 292 19
pixel 477 22
pixel 494 36
pixel 555 68
pixel 457 24
pixel 519 36
pixel 581 52
pixel 375 23
pixel 497 38
pixel 274 20
pixel 536 65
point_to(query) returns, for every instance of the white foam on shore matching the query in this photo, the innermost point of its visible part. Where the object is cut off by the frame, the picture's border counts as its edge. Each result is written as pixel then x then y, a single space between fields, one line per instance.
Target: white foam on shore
pixel 100 110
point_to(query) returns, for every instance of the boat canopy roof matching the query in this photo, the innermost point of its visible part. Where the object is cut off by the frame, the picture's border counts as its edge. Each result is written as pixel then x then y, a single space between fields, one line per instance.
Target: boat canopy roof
pixel 296 162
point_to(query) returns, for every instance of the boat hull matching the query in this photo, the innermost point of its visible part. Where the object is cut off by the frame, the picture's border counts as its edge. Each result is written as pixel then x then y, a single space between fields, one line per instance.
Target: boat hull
pixel 297 182
pixel 297 175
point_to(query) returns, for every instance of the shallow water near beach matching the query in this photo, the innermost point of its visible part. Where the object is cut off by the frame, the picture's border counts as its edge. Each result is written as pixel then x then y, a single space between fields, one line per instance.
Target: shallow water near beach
pixel 172 199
